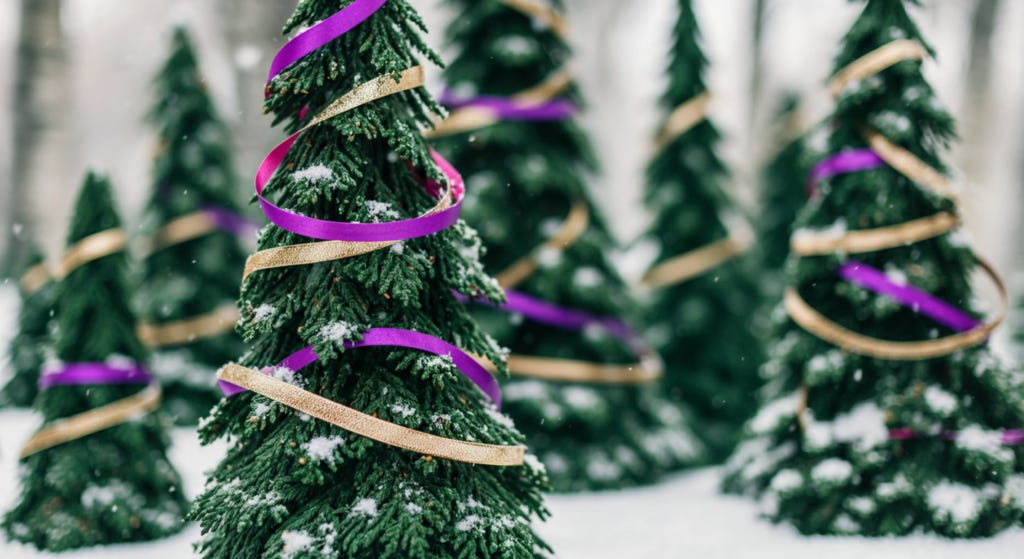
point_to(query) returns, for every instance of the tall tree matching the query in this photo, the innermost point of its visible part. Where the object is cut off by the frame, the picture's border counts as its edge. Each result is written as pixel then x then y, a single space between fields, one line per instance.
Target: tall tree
pixel 526 163
pixel 295 486
pixel 890 414
pixel 28 347
pixel 190 275
pixel 97 471
pixel 699 311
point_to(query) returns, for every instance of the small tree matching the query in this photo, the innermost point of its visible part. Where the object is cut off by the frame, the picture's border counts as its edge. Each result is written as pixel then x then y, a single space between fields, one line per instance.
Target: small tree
pixel 890 414
pixel 526 169
pixel 97 471
pixel 190 276
pixel 27 349
pixel 293 486
pixel 703 294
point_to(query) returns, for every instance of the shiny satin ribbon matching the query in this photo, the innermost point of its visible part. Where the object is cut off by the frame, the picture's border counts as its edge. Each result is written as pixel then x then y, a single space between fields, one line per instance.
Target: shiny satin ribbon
pixel 69 374
pixel 207 325
pixel 1009 437
pixel 846 161
pixel 574 225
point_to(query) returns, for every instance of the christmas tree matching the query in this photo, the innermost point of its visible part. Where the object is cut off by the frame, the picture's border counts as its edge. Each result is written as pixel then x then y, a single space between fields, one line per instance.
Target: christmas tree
pixel 351 448
pixel 513 136
pixel 97 471
pixel 702 296
pixel 28 348
pixel 190 274
pixel 890 414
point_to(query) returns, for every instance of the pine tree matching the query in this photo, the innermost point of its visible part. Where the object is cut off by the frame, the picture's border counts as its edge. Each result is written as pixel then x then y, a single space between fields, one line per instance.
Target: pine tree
pixel 113 485
pixel 296 486
pixel 190 280
pixel 898 433
pixel 27 349
pixel 524 177
pixel 700 319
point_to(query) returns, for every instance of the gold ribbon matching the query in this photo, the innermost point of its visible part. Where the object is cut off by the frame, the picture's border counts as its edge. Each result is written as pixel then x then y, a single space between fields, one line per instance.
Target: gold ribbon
pixel 909 165
pixel 805 243
pixel 207 325
pixel 814 322
pixel 183 228
pixel 35 278
pixel 92 247
pixel 93 421
pixel 648 370
pixel 471 118
pixel 541 11
pixel 369 426
pixel 691 264
pixel 681 119
pixel 875 61
pixel 572 227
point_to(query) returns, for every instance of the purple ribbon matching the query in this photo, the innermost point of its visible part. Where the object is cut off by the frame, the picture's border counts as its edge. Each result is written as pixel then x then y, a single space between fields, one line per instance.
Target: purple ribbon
pixel 907 295
pixel 394 337
pixel 846 161
pixel 569 319
pixel 322 33
pixel 1009 437
pixel 508 109
pixel 230 222
pixel 94 373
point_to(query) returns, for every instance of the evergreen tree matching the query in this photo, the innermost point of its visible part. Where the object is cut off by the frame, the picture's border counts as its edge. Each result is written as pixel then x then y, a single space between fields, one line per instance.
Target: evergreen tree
pixel 190 281
pixel 112 485
pixel 524 177
pixel 897 433
pixel 292 486
pixel 27 349
pixel 699 320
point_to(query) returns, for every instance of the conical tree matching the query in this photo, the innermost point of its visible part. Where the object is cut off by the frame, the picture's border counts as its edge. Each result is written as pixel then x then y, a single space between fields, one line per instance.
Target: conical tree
pixel 526 174
pixel 190 274
pixel 97 471
pixel 296 486
pixel 702 292
pixel 27 349
pixel 890 414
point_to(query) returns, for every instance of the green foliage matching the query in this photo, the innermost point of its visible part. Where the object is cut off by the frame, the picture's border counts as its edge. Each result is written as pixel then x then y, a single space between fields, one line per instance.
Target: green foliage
pixel 191 169
pixel 701 326
pixel 840 472
pixel 295 487
pixel 522 178
pixel 115 485
pixel 27 349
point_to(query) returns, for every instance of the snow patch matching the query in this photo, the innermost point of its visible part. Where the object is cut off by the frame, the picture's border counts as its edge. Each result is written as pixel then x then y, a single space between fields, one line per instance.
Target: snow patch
pixel 832 470
pixel 322 448
pixel 338 332
pixel 365 507
pixel 263 312
pixel 586 277
pixel 316 173
pixel 403 409
pixel 786 480
pixel 380 211
pixel 294 542
pixel 940 401
pixel 954 502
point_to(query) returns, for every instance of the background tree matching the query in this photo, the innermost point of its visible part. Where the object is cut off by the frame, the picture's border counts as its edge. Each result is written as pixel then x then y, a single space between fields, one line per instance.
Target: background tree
pixel 190 279
pixel 524 177
pixel 27 349
pixel 880 439
pixel 292 486
pixel 700 321
pixel 113 485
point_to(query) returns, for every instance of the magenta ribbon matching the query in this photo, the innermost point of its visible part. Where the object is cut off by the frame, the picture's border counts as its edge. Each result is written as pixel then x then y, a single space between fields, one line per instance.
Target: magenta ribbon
pixel 1009 437
pixel 508 109
pixel 94 373
pixel 907 295
pixel 561 317
pixel 231 222
pixel 394 337
pixel 846 161
pixel 322 33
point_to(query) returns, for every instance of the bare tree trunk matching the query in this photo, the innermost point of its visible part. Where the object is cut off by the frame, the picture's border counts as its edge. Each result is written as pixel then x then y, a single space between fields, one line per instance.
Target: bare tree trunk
pixel 253 31
pixel 41 103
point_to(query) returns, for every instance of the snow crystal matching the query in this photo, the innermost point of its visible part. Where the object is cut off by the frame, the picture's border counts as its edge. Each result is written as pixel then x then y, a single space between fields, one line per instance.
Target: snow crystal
pixel 534 464
pixel 413 508
pixel 940 401
pixel 861 505
pixel 104 495
pixel 263 312
pixel 283 374
pixel 898 486
pixel 295 541
pixel 586 276
pixel 580 398
pixel 398 248
pixel 365 507
pixel 896 275
pixel 548 257
pixel 403 409
pixel 260 409
pixel 832 470
pixel 322 448
pixel 990 443
pixel 314 174
pixel 338 332
pixel 954 501
pixel 786 480
pixel 468 523
pixel 380 210
pixel 772 414
pixel 864 426
pixel 496 416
